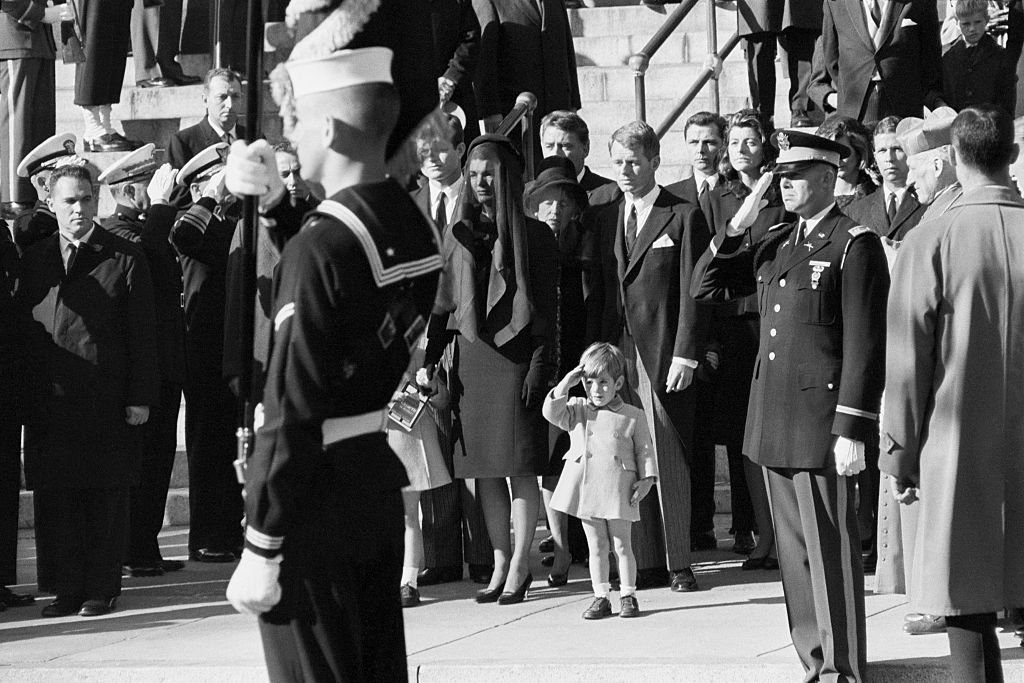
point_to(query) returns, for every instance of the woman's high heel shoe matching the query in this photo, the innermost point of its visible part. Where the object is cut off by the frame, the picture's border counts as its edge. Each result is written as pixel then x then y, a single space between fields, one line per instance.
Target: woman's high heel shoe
pixel 511 598
pixel 558 580
pixel 486 595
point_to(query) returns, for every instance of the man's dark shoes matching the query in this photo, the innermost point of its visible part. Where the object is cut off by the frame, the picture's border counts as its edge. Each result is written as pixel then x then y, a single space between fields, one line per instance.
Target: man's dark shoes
pixel 159 82
pixel 9 598
pixel 628 607
pixel 172 565
pixel 480 573
pixel 652 577
pixel 208 555
pixel 744 544
pixel 683 581
pixel 704 541
pixel 63 606
pixel 185 79
pixel 97 608
pixel 922 624
pixel 431 576
pixel 111 142
pixel 599 609
pixel 140 571
pixel 410 596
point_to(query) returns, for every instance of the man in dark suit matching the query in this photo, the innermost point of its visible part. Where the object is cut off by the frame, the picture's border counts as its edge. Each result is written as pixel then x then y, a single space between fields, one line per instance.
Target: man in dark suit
pixel 27 79
pixel 144 216
pixel 822 283
pixel 705 138
pixel 649 243
pixel 91 296
pixel 456 32
pixel 878 59
pixel 564 133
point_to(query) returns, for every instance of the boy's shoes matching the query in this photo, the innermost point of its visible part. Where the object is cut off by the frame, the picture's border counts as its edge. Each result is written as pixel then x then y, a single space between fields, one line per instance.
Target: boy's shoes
pixel 410 596
pixel 628 607
pixel 599 609
pixel 683 581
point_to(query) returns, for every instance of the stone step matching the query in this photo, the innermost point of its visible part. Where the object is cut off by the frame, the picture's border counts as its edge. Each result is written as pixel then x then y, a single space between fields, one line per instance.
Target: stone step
pixel 682 46
pixel 642 19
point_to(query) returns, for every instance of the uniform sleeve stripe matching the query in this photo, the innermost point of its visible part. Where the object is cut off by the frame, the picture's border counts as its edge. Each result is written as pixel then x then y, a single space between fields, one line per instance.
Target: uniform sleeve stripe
pixel 382 276
pixel 287 311
pixel 262 540
pixel 198 216
pixel 856 413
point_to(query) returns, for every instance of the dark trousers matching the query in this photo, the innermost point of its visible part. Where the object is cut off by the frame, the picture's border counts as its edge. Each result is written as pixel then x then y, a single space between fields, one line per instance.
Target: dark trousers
pixel 214 497
pixel 739 493
pixel 822 577
pixel 10 491
pixel 868 483
pixel 149 496
pixel 340 616
pixel 156 39
pixel 761 49
pixel 80 540
pixel 702 467
pixel 27 117
pixel 231 37
pixel 974 648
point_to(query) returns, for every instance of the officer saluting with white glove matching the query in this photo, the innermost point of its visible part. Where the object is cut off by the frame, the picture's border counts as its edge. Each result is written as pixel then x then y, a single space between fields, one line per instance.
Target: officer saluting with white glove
pixel 822 284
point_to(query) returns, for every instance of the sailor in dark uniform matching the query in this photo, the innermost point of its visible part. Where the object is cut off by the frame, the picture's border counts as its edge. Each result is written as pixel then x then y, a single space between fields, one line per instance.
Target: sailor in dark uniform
pixel 202 238
pixel 324 542
pixel 822 283
pixel 39 222
pixel 144 215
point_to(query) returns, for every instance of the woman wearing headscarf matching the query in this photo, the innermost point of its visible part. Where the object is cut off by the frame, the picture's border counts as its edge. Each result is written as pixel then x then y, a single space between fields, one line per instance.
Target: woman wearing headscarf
pixel 498 296
pixel 857 176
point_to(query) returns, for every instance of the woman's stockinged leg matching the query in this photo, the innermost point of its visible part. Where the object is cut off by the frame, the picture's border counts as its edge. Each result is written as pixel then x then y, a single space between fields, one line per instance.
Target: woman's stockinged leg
pixel 497 508
pixel 525 504
pixel 412 560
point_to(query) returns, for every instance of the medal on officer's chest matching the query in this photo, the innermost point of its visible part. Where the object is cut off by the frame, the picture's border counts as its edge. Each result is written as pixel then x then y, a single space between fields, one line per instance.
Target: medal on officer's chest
pixel 817 268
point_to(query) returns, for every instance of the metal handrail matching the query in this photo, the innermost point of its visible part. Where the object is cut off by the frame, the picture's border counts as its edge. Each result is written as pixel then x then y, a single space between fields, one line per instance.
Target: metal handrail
pixel 641 61
pixel 522 115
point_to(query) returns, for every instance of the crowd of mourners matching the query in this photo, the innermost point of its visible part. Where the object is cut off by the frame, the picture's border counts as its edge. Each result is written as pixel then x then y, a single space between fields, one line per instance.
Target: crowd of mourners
pixel 592 342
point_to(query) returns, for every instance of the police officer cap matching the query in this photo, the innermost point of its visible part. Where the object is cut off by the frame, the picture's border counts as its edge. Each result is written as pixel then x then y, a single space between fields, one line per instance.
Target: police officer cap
pixel 799 149
pixel 47 155
pixel 132 167
pixel 207 162
pixel 933 131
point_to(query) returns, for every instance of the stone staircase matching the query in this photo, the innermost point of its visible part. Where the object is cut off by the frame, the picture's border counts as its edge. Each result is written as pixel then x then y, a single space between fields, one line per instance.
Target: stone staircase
pixel 604 38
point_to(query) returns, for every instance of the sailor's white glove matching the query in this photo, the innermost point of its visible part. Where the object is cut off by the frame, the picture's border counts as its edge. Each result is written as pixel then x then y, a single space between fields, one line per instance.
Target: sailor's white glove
pixel 252 170
pixel 849 456
pixel 253 588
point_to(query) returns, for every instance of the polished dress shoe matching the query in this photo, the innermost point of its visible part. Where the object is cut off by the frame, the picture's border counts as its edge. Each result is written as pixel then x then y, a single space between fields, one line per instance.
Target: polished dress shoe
pixel 208 555
pixel 410 595
pixel 766 562
pixel 683 581
pixel 652 577
pixel 431 576
pixel 159 82
pixel 705 541
pixel 744 543
pixel 97 608
pixel 547 545
pixel 486 595
pixel 599 609
pixel 63 606
pixel 480 573
pixel 172 565
pixel 9 598
pixel 518 595
pixel 111 142
pixel 922 624
pixel 558 580
pixel 139 571
pixel 628 607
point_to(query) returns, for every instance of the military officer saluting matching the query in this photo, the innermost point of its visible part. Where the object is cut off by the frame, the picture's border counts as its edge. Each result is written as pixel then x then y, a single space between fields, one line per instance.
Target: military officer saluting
pixel 324 543
pixel 39 222
pixel 822 284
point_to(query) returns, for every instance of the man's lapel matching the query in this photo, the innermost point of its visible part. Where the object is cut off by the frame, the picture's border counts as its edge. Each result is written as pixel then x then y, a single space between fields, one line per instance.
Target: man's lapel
pixel 904 212
pixel 859 20
pixel 619 237
pixel 895 12
pixel 815 241
pixel 657 220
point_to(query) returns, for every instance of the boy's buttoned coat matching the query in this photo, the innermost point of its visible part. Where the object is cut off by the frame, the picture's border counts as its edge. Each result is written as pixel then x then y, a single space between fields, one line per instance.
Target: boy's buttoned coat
pixel 610 448
pixel 954 401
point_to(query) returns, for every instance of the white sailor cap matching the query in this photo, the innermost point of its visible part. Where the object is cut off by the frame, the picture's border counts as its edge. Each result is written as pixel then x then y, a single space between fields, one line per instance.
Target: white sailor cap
pixel 799 148
pixel 132 167
pixel 918 135
pixel 340 69
pixel 207 162
pixel 47 155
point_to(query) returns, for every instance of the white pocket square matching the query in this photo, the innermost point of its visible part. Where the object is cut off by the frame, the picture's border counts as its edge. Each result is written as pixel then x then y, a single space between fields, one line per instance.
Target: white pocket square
pixel 907 22
pixel 663 242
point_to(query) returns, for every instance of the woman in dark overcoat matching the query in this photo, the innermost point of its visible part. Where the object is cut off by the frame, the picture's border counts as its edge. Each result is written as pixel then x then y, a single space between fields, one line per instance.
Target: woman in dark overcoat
pixel 498 295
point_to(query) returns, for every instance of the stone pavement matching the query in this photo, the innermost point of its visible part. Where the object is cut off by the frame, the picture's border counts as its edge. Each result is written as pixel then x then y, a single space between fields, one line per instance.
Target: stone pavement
pixel 180 628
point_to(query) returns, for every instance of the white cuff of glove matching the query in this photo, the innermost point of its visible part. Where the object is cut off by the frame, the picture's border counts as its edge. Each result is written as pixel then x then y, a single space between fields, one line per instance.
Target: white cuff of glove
pixel 849 456
pixel 254 588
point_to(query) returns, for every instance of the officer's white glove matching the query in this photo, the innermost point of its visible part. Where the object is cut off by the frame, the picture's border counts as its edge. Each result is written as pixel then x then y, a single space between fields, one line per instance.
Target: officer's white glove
pixel 849 456
pixel 252 170
pixel 253 588
pixel 161 185
pixel 750 207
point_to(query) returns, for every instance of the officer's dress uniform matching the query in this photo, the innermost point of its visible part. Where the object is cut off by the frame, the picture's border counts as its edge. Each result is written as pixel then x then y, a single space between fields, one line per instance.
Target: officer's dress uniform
pixel 160 440
pixel 202 237
pixel 818 375
pixel 355 289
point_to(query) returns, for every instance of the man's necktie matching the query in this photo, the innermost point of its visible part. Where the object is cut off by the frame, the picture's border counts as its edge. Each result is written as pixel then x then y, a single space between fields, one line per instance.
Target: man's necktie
pixel 891 210
pixel 704 199
pixel 72 255
pixel 876 12
pixel 631 229
pixel 441 216
pixel 798 238
pixel 227 137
